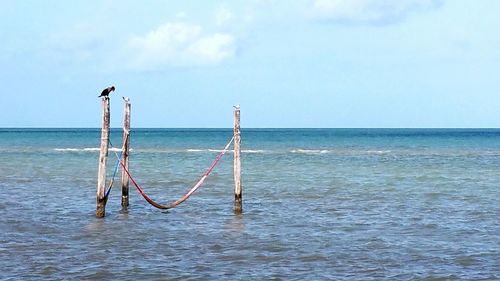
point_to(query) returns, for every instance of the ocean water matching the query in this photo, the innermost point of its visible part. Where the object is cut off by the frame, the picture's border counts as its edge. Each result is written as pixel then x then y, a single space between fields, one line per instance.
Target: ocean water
pixel 318 204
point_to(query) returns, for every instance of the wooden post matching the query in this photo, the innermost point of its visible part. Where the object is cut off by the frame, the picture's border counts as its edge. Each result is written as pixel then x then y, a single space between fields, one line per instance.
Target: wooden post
pixel 103 155
pixel 237 163
pixel 125 148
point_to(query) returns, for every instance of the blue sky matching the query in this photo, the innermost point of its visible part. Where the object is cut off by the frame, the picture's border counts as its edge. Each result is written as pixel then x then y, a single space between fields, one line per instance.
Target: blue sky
pixel 303 63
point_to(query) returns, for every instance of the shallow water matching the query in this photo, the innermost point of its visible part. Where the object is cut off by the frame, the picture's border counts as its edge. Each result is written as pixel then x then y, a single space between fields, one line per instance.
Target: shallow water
pixel 318 204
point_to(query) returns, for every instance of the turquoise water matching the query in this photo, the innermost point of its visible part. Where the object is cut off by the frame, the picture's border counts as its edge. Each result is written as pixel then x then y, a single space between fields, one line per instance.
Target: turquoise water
pixel 319 204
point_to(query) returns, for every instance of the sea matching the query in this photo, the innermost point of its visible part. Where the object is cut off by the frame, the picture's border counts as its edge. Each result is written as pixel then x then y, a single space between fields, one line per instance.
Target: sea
pixel 318 204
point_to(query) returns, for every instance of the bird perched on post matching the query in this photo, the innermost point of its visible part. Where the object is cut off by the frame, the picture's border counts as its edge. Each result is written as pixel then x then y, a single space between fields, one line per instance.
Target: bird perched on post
pixel 105 93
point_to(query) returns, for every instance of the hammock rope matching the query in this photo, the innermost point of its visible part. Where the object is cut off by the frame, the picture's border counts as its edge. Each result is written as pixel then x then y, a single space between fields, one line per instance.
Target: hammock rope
pixel 195 187
pixel 114 173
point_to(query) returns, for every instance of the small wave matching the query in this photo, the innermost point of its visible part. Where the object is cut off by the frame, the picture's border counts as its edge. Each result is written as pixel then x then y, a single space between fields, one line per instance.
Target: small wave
pixel 97 149
pixel 253 151
pixel 220 150
pixel 87 149
pixel 194 150
pixel 67 149
pixel 202 150
pixel 378 151
pixel 310 151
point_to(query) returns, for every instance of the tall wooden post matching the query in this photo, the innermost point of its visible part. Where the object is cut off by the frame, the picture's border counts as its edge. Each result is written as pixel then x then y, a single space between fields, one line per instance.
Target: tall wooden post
pixel 125 148
pixel 103 155
pixel 237 162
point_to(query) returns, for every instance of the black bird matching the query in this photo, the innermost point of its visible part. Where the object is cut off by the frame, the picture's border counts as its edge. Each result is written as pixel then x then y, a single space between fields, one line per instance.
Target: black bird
pixel 105 93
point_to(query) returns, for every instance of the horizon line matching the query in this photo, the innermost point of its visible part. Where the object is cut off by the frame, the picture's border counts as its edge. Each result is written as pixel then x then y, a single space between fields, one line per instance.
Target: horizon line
pixel 269 128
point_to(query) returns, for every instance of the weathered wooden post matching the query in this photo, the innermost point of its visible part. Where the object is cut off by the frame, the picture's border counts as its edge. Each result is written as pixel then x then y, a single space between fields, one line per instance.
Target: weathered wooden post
pixel 103 155
pixel 237 162
pixel 125 148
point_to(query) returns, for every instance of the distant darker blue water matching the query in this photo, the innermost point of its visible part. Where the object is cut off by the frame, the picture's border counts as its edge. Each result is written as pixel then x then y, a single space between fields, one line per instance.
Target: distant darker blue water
pixel 319 204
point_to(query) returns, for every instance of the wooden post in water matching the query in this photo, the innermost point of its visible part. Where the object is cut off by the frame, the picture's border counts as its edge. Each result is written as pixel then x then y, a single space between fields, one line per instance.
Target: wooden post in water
pixel 237 163
pixel 125 148
pixel 103 155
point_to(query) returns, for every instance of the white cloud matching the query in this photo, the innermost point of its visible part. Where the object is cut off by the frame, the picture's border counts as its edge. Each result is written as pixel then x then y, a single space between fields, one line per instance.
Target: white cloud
pixel 179 44
pixel 81 44
pixel 214 48
pixel 223 15
pixel 368 11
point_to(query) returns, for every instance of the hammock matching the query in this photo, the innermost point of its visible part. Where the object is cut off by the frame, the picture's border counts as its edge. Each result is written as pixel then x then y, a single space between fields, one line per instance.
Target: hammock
pixel 189 193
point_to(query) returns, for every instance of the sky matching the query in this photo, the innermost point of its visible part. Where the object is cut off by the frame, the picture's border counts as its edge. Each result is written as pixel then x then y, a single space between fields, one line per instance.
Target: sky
pixel 289 64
